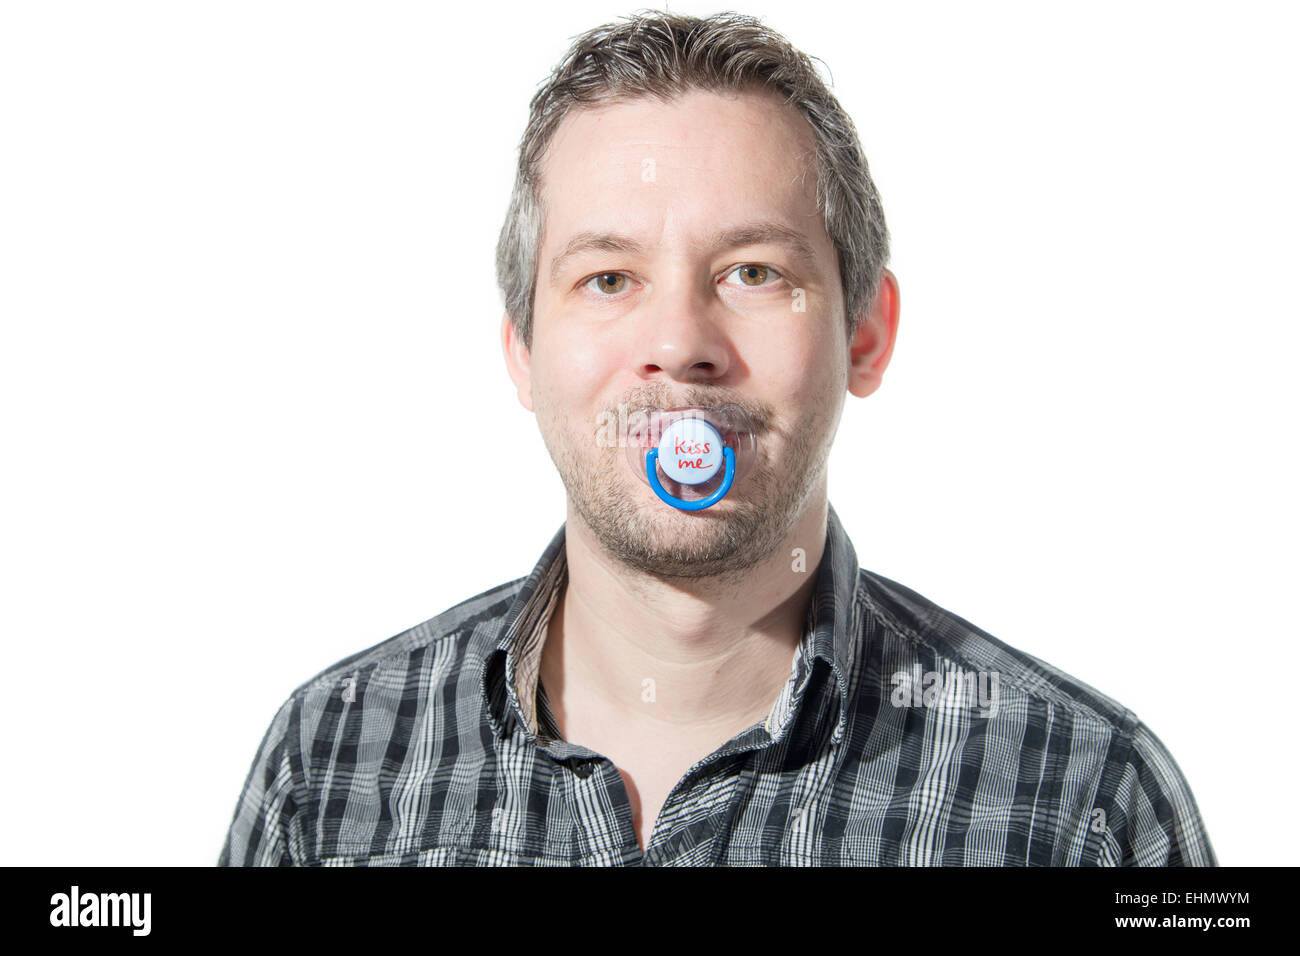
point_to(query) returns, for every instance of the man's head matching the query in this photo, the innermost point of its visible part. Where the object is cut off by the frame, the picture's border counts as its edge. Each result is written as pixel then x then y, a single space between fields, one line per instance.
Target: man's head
pixel 693 223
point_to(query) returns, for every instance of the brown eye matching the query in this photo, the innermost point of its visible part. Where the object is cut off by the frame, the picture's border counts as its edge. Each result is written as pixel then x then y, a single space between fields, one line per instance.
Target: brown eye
pixel 610 282
pixel 753 275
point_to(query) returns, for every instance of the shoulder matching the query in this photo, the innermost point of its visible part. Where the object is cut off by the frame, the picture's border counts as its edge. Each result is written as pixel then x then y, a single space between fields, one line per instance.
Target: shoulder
pixel 915 627
pixel 435 647
pixel 1044 729
pixel 316 737
pixel 1151 817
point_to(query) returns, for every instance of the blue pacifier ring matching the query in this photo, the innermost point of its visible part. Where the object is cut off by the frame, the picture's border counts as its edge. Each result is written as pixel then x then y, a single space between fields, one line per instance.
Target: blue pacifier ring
pixel 651 473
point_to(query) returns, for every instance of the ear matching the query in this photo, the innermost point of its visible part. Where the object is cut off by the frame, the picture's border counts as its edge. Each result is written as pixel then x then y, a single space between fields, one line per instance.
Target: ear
pixel 518 361
pixel 873 343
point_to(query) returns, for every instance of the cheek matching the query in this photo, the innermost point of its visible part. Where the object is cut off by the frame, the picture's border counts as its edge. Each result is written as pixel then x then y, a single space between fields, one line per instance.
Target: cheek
pixel 791 369
pixel 572 371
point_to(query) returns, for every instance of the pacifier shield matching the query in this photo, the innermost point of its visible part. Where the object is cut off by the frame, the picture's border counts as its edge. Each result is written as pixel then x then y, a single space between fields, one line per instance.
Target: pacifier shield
pixel 685 448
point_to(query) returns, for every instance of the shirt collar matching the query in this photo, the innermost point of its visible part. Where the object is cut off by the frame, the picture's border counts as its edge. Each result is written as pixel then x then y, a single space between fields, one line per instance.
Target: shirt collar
pixel 513 661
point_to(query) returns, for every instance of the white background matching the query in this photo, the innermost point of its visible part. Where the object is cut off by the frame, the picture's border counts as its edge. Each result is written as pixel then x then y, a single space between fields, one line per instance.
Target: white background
pixel 249 310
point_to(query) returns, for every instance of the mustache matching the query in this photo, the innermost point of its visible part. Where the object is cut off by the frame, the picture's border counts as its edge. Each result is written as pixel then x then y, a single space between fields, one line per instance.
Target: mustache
pixel 662 395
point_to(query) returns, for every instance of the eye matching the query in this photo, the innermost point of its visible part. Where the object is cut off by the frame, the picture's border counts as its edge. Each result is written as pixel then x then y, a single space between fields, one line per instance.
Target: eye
pixel 610 283
pixel 752 274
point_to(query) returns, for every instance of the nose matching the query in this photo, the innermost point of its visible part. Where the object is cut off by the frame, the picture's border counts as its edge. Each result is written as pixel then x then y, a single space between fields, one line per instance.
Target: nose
pixel 682 341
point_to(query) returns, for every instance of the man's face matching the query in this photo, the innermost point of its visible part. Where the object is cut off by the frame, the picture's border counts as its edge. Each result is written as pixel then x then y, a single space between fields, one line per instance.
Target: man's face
pixel 641 299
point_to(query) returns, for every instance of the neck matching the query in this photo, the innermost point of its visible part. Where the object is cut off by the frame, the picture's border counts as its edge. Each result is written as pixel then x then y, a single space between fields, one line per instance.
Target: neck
pixel 696 656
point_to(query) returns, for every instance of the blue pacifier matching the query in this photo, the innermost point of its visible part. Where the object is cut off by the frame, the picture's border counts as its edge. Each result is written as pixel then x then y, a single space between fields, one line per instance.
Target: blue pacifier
pixel 691 456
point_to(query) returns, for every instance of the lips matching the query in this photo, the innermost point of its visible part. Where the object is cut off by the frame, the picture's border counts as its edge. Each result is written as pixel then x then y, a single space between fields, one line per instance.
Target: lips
pixel 647 423
pixel 644 428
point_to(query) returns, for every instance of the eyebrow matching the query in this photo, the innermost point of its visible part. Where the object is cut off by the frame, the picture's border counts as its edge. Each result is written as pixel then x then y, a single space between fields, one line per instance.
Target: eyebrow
pixel 746 234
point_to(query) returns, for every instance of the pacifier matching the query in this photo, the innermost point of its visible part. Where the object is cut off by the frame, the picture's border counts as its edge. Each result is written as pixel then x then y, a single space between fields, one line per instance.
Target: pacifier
pixel 691 456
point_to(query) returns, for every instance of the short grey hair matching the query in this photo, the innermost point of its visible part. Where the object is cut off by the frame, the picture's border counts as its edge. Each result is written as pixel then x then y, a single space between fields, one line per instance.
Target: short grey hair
pixel 653 53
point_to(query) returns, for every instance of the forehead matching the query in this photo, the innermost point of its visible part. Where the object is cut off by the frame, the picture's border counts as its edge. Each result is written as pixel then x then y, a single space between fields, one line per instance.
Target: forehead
pixel 696 162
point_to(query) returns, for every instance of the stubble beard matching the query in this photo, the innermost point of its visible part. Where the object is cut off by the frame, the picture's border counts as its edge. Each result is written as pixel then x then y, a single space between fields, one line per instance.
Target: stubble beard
pixel 720 542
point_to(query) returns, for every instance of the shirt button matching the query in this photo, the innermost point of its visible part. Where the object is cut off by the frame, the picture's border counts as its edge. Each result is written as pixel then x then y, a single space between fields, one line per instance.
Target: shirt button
pixel 583 769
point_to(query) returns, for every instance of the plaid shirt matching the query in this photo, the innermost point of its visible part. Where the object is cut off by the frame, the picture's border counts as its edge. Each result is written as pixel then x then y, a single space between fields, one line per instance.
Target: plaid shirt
pixel 904 736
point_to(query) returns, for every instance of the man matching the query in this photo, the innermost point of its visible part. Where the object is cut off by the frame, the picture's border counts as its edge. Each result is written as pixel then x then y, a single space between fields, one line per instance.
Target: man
pixel 694 224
